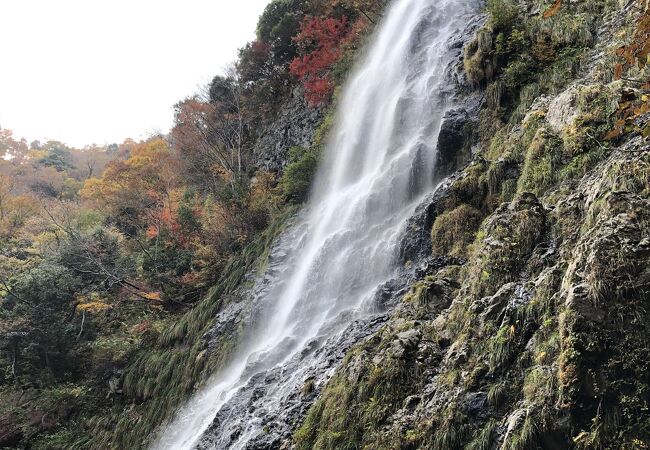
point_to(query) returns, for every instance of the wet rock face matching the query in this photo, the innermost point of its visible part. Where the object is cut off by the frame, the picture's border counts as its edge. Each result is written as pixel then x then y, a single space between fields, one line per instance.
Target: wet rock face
pixel 294 126
pixel 457 127
pixel 604 290
pixel 416 243
pixel 562 110
pixel 544 344
pixel 225 324
pixel 290 408
pixel 558 339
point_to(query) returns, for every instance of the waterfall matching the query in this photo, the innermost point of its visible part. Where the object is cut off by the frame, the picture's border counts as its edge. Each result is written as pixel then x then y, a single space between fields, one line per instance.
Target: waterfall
pixel 376 169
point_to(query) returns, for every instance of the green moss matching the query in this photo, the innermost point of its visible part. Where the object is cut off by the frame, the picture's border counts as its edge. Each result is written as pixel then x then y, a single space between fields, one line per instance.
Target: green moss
pixel 541 163
pixel 297 178
pixel 454 230
pixel 508 238
pixel 450 435
pixel 500 347
pixel 631 175
pixel 503 13
pixel 539 386
pixel 508 190
pixel 360 397
pixel 478 61
pixel 470 189
pixel 497 394
pixel 323 130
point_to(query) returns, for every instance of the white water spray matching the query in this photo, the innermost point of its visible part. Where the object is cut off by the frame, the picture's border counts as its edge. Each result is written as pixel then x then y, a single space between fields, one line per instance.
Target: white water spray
pixel 376 169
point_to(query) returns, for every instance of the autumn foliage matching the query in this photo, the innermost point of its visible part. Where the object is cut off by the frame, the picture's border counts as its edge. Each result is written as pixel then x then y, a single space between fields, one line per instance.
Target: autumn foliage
pixel 636 52
pixel 320 41
pixel 104 247
pixel 633 106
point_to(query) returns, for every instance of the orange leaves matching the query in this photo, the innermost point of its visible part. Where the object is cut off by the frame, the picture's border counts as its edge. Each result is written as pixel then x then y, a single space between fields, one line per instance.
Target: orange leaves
pixel 151 232
pixel 553 9
pixel 92 303
pixel 325 34
pixel 618 71
pixel 142 327
pixel 630 108
pixel 134 188
pixel 638 51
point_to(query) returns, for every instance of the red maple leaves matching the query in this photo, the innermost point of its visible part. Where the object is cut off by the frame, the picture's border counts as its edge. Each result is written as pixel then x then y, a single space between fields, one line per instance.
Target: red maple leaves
pixel 321 42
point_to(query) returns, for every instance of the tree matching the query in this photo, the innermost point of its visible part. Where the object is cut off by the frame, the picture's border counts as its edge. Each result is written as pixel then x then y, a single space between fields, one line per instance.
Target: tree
pixel 133 191
pixel 320 41
pixel 56 155
pixel 209 132
pixel 11 148
pixel 42 297
pixel 89 161
pixel 369 9
pixel 225 96
pixel 298 176
pixel 277 25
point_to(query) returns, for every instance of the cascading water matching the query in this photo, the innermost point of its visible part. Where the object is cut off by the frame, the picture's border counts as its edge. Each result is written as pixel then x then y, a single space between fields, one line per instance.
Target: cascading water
pixel 328 267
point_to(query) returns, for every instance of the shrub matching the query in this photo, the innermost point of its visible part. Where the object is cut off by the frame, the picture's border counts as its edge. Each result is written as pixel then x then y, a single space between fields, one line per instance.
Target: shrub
pixel 503 14
pixel 299 174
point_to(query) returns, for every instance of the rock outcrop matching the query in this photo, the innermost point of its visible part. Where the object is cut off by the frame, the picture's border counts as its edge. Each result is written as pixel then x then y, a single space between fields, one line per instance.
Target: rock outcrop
pixel 536 337
pixel 294 126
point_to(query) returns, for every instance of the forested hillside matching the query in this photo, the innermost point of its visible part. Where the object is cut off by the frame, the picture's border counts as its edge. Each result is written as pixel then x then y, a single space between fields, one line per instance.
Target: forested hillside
pixel 526 328
pixel 108 254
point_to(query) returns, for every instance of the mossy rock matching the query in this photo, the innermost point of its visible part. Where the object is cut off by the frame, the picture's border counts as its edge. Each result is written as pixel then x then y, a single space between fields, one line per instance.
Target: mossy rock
pixel 454 230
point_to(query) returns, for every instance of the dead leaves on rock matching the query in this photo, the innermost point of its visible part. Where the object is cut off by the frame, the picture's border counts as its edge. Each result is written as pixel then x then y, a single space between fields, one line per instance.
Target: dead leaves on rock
pixel 638 51
pixel 553 9
pixel 631 116
pixel 634 109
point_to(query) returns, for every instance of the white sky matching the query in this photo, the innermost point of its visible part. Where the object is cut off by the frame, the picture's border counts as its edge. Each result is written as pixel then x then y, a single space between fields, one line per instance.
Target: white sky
pixel 98 71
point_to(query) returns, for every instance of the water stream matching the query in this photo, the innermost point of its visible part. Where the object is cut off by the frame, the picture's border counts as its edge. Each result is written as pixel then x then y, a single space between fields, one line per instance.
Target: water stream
pixel 376 169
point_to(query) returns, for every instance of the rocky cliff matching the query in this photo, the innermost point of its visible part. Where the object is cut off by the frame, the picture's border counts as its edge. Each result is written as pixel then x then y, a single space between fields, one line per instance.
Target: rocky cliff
pixel 531 329
pixel 519 316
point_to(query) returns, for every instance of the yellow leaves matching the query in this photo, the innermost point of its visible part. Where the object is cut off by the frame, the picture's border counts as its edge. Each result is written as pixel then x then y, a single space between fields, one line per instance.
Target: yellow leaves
pixel 37 154
pixel 92 189
pixel 582 438
pixel 511 331
pixel 261 192
pixel 553 9
pixel 153 296
pixel 93 303
pixel 93 307
pixel 223 173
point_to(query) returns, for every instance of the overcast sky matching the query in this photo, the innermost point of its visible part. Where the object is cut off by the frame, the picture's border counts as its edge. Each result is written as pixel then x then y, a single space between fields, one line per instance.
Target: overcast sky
pixel 98 71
